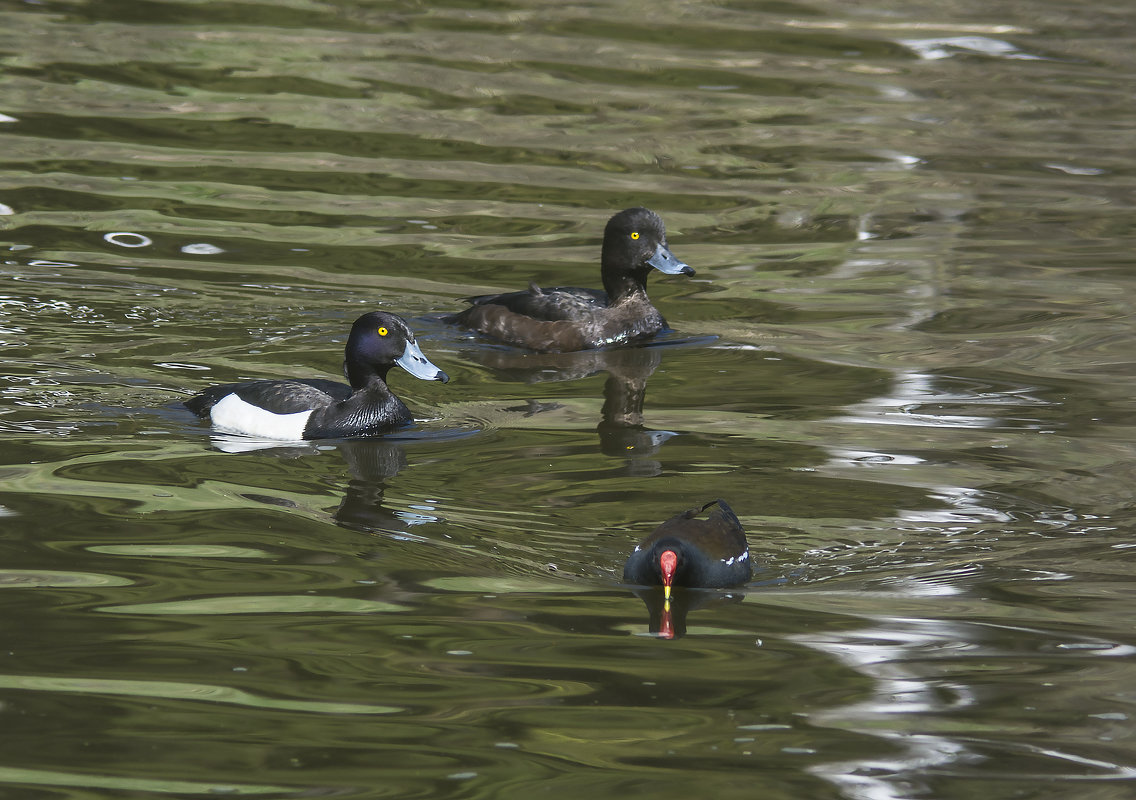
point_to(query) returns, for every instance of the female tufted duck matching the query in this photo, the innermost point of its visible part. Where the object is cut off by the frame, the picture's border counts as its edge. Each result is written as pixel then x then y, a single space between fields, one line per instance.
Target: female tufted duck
pixel 292 410
pixel 564 319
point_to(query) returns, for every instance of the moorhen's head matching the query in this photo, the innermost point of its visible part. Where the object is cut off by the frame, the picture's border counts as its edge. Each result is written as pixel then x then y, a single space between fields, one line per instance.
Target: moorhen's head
pixel 685 551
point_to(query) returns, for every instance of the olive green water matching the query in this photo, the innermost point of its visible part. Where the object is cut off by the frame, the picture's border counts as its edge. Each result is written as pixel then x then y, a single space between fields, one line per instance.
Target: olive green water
pixel 906 361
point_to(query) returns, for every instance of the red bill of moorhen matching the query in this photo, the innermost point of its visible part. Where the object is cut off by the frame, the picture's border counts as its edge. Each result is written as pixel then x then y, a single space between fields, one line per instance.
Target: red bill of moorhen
pixel 708 554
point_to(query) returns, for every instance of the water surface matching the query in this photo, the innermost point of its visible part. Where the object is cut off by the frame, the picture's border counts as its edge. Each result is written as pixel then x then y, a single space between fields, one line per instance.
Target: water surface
pixel 905 361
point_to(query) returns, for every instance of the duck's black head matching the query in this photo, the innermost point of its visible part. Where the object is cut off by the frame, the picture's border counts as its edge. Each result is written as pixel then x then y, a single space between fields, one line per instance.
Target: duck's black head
pixel 635 242
pixel 378 341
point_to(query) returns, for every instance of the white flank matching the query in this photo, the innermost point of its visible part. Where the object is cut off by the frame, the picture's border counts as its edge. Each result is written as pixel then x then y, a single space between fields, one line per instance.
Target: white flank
pixel 231 414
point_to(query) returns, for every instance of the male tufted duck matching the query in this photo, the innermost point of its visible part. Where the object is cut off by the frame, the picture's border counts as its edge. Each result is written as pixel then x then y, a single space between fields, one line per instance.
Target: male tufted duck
pixel 319 409
pixel 563 319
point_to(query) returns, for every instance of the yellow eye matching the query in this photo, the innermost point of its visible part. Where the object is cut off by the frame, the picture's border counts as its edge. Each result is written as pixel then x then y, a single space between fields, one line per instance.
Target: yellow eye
pixel 383 331
pixel 635 235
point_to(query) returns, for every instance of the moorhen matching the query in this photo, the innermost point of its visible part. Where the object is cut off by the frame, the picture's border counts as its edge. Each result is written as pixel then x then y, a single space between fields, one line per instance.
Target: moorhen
pixel 684 551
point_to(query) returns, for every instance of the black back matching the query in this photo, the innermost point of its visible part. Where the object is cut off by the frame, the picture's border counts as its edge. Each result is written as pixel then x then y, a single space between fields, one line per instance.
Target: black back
pixel 712 553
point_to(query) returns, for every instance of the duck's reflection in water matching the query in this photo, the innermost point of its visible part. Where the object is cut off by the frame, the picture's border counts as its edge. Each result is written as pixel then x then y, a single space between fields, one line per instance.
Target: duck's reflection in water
pixel 372 463
pixel 621 430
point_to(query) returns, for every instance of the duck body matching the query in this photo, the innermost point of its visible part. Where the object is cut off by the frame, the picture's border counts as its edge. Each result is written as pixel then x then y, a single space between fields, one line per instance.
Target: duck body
pixel 684 551
pixel 564 319
pixel 293 410
pixel 296 409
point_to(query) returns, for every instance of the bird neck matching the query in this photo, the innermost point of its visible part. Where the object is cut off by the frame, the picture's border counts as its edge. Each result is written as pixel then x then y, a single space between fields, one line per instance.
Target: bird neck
pixel 364 377
pixel 621 285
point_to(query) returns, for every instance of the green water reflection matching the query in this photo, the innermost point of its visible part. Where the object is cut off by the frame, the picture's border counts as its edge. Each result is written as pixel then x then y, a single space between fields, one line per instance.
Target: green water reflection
pixel 905 361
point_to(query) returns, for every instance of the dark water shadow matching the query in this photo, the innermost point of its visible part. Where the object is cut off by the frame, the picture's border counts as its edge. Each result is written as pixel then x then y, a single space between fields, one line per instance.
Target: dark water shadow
pixel 371 463
pixel 670 623
pixel 621 429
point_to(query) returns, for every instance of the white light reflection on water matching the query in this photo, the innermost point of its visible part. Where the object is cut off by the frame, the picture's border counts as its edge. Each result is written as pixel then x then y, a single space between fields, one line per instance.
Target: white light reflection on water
pixel 934 49
pixel 914 396
pixel 911 704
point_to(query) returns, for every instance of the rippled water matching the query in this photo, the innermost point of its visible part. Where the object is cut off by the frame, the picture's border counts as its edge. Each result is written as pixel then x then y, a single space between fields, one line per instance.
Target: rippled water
pixel 906 362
